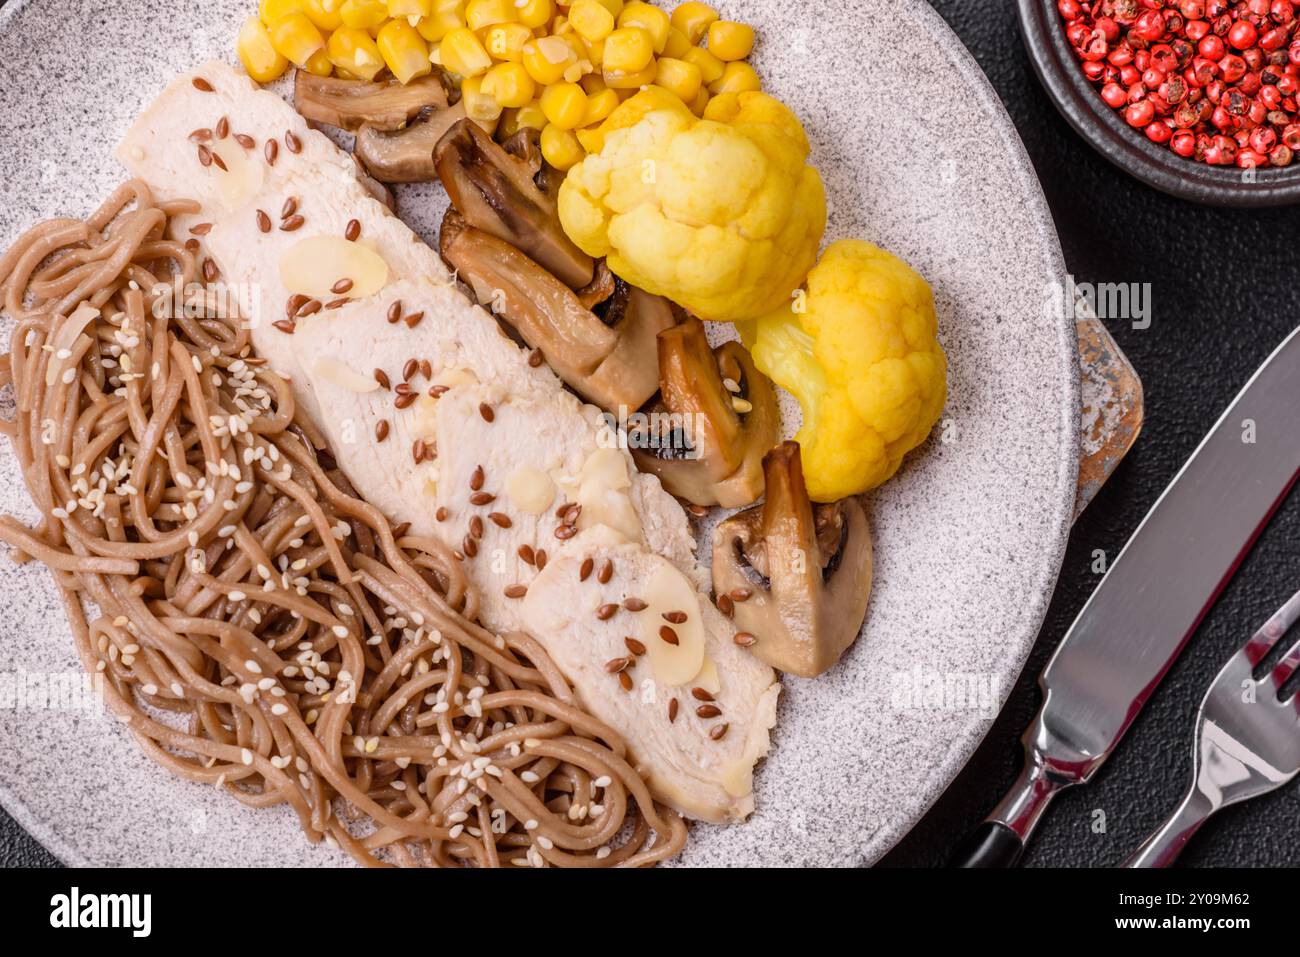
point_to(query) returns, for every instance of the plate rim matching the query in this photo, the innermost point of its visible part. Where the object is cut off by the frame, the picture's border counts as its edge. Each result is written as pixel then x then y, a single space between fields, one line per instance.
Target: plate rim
pixel 964 745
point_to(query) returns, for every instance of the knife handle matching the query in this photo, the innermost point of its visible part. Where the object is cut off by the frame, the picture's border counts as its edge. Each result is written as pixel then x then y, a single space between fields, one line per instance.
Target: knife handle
pixel 993 844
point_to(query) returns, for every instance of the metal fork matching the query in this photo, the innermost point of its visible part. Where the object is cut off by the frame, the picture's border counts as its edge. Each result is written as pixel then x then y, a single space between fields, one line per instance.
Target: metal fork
pixel 1247 740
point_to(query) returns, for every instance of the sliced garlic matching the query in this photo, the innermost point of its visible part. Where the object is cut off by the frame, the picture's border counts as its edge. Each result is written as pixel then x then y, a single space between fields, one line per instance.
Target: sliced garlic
pixel 667 589
pixel 603 495
pixel 530 490
pixel 312 266
pixel 344 376
pixel 455 376
pixel 241 178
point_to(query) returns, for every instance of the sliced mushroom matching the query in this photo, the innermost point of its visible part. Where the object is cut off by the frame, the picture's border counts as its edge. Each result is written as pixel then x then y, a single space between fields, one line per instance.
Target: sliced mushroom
pixel 798 575
pixel 375 188
pixel 406 155
pixel 351 104
pixel 496 193
pixel 727 433
pixel 608 361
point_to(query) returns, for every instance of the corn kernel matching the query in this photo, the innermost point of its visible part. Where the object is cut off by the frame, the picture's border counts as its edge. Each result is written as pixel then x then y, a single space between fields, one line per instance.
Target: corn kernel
pixel 546 59
pixel 613 6
pixel 505 41
pixel 480 105
pixel 565 105
pixel 731 41
pixel 271 11
pixel 326 14
pixel 736 78
pixel 599 106
pixel 629 83
pixel 591 21
pixel 296 38
pixel 404 50
pixel 318 64
pixel 528 116
pixel 710 66
pixel 679 77
pixel 262 61
pixel 677 45
pixel 693 19
pixel 489 127
pixel 352 50
pixel 650 19
pixel 363 14
pixel 628 50
pixel 701 102
pixel 534 13
pixel 560 147
pixel 596 53
pixel 447 15
pixel 509 84
pixel 591 139
pixel 404 9
pixel 484 13
pixel 463 53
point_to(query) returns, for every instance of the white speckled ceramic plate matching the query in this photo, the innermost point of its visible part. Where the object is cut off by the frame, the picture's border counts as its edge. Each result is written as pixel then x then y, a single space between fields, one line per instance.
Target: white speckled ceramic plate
pixel 918 156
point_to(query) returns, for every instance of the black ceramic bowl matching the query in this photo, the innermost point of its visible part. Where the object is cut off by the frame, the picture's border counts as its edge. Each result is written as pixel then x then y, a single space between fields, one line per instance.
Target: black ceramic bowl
pixel 1081 104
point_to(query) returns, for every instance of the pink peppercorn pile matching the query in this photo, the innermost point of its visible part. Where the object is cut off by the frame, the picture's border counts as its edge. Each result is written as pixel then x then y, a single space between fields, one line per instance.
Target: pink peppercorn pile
pixel 1215 81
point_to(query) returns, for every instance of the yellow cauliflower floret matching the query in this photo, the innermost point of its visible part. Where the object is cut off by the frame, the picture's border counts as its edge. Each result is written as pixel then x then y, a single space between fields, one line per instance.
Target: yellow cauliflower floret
pixel 722 215
pixel 859 351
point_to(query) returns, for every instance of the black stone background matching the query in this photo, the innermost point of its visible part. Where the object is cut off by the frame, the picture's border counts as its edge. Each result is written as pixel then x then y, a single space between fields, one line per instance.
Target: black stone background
pixel 1226 291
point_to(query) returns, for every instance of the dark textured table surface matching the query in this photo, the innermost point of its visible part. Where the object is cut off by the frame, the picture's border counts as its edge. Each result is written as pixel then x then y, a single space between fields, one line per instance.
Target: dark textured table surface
pixel 1225 291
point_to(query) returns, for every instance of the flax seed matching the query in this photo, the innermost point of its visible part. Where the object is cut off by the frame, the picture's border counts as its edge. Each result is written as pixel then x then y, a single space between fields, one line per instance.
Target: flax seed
pixel 405 401
pixel 675 617
pixel 708 711
pixel 740 594
pixel 584 571
pixel 263 221
pixel 571 514
pixel 292 142
pixel 382 378
pixel 565 532
pixel 625 681
pixel 353 231
pixel 541 559
pixel 381 430
pixel 469 546
pixel 672 710
pixel 426 368
pixel 201 229
pixel 337 303
pixel 702 694
pixel 635 604
pixel 476 526
pixel 417 451
pixel 222 129
pixel 200 135
pixel 476 478
pixel 607 611
pixel 271 151
pixel 413 319
pixel 409 370
pixel 485 410
pixel 482 498
pixel 246 141
pixel 500 519
pixel 744 639
pixel 309 308
pixel 284 325
pixel 668 635
pixel 202 85
pixel 726 605
pixel 395 311
pixel 219 163
pixel 438 391
pixel 441 514
pixel 527 555
pixel 606 572
pixel 210 271
pixel 615 665
pixel 634 646
pixel 289 208
pixel 535 358
pixel 342 286
pixel 192 245
pixel 205 155
pixel 293 222
pixel 719 732
pixel 404 388
pixel 516 591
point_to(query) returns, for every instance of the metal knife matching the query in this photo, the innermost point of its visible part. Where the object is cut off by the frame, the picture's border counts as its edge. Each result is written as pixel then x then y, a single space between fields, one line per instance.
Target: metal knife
pixel 1151 600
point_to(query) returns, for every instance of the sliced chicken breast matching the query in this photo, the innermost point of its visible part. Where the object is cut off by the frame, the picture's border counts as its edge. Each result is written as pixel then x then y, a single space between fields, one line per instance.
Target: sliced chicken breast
pixel 434 414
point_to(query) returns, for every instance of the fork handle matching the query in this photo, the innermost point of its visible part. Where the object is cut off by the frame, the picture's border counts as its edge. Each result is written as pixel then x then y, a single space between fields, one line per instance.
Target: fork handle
pixel 1162 848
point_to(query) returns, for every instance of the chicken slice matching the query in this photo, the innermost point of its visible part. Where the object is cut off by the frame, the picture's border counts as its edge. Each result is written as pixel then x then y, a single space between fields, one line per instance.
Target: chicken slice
pixel 698 754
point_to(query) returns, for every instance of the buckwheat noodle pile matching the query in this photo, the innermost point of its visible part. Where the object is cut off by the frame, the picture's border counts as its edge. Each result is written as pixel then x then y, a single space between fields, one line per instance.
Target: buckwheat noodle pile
pixel 259 627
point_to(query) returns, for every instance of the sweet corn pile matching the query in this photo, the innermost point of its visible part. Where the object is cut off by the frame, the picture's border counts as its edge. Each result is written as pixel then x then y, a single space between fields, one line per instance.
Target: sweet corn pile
pixel 557 67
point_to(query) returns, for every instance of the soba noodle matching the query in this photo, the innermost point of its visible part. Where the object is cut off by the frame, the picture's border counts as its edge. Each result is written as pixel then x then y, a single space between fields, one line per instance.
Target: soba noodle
pixel 258 626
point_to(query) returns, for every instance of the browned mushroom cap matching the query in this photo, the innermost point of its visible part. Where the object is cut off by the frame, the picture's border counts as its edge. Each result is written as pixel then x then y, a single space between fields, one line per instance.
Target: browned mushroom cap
pixel 728 433
pixel 406 155
pixel 351 104
pixel 608 361
pixel 799 575
pixel 496 193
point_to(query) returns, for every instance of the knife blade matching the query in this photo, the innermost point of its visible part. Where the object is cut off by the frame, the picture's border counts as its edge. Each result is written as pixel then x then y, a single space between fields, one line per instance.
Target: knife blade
pixel 1152 599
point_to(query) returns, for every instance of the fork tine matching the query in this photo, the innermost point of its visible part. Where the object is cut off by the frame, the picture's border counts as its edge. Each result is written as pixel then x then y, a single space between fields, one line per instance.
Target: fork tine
pixel 1286 667
pixel 1262 643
